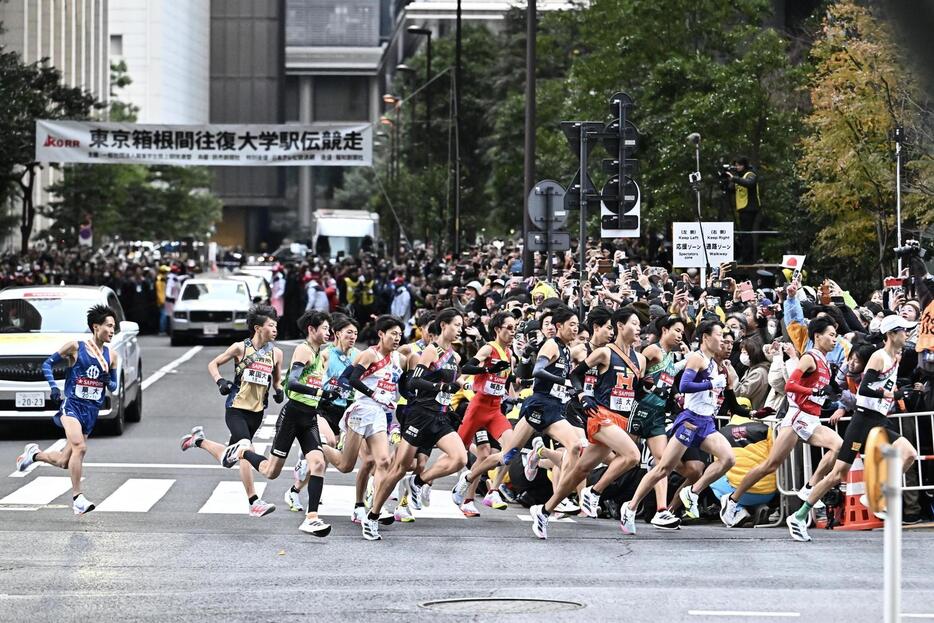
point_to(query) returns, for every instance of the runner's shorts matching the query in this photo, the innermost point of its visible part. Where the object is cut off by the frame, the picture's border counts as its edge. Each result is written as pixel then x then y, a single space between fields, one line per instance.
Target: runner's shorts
pixel 647 421
pixel 424 427
pixel 86 415
pixel 332 414
pixel 242 424
pixel 864 420
pixel 604 417
pixel 691 429
pixel 296 421
pixel 804 424
pixel 542 411
pixel 483 412
pixel 365 419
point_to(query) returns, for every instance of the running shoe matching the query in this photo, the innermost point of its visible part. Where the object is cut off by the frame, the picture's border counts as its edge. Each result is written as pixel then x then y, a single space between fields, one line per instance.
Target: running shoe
pixel 28 457
pixel 300 472
pixel 567 507
pixel 627 519
pixel 689 499
pixel 386 518
pixel 469 509
pixel 506 493
pixel 493 500
pixel 370 490
pixel 403 512
pixel 358 515
pixel 804 493
pixel 232 453
pixel 532 459
pixel 82 505
pixel 370 529
pixel 797 528
pixel 865 502
pixel 819 512
pixel 460 489
pixel 261 508
pixel 315 526
pixel 665 520
pixel 196 434
pixel 539 522
pixel 293 501
pixel 728 510
pixel 590 502
pixel 426 494
pixel 414 492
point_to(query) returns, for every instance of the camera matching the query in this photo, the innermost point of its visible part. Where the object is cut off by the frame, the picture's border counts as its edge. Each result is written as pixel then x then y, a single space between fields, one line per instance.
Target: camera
pixel 911 248
pixel 722 176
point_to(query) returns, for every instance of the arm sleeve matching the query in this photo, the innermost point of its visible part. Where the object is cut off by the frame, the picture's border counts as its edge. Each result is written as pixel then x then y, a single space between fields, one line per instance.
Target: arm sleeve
pixel 730 402
pixel 539 372
pixel 47 367
pixel 794 383
pixel 356 380
pixel 870 376
pixel 852 322
pixel 112 380
pixel 418 382
pixel 689 386
pixel 577 377
pixel 294 385
pixel 473 367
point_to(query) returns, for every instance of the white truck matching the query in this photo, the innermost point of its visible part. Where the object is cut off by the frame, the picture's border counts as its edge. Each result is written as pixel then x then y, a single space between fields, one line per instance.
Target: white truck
pixel 334 231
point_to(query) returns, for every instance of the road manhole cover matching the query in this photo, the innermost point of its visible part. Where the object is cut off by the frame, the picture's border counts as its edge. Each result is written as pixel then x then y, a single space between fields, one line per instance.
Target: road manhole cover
pixel 500 605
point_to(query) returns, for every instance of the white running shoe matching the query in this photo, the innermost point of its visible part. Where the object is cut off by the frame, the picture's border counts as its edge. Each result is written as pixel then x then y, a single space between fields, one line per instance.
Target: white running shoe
pixel 804 493
pixel 386 518
pixel 627 519
pixel 539 522
pixel 232 453
pixel 315 526
pixel 403 512
pixel 665 520
pixel 261 508
pixel 82 505
pixel 469 509
pixel 370 529
pixel 426 494
pixel 415 492
pixel 189 440
pixel 358 515
pixel 797 528
pixel 567 507
pixel 531 460
pixel 300 472
pixel 28 457
pixel 590 503
pixel 294 501
pixel 728 510
pixel 460 489
pixel 689 499
pixel 819 512
pixel 493 500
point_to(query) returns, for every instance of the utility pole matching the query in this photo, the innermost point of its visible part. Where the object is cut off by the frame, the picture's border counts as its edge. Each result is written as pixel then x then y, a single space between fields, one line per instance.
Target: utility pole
pixel 529 163
pixel 457 134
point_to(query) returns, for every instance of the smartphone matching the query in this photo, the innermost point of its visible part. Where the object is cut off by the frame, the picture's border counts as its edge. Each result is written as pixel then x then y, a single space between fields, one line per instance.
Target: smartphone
pixel 718 284
pixel 892 282
pixel 713 302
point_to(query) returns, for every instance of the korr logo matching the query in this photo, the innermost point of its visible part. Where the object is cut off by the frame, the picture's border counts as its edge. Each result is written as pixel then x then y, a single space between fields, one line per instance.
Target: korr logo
pixel 54 141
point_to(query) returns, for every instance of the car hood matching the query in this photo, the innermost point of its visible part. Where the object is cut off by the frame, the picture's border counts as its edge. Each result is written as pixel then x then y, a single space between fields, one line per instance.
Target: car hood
pixel 212 305
pixel 36 344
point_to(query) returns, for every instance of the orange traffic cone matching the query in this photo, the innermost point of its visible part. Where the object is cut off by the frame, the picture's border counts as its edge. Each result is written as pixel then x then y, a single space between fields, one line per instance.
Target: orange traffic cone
pixel 855 515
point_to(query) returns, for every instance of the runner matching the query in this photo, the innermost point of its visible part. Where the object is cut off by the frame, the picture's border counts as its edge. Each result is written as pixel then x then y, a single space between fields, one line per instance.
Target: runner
pixel 433 382
pixel 257 367
pixel 93 367
pixel 619 368
pixel 702 383
pixel 375 374
pixel 305 388
pixel 807 391
pixel 875 399
pixel 491 383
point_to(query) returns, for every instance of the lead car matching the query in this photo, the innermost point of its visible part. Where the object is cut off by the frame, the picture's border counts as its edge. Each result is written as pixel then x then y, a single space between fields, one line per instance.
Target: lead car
pixel 36 321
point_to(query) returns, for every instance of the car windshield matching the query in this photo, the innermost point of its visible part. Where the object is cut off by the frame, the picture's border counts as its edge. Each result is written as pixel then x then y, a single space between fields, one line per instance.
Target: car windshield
pixel 46 315
pixel 215 291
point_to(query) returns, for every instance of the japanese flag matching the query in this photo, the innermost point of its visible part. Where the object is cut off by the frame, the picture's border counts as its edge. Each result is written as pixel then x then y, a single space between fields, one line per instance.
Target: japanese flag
pixel 794 262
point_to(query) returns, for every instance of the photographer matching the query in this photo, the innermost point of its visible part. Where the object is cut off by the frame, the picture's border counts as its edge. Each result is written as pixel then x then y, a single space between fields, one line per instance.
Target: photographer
pixel 744 184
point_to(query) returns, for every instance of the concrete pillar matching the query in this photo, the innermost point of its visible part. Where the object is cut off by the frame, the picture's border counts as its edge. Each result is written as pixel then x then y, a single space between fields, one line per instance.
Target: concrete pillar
pixel 306 195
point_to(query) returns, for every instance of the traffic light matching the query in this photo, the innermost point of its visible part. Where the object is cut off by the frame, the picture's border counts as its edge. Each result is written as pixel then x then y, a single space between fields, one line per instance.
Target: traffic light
pixel 620 208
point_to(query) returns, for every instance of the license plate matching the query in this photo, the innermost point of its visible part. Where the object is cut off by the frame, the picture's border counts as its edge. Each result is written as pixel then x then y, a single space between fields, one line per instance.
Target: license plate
pixel 211 329
pixel 30 400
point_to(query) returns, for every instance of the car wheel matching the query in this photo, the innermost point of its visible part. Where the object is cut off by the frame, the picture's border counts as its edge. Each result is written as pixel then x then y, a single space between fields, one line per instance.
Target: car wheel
pixel 116 426
pixel 135 410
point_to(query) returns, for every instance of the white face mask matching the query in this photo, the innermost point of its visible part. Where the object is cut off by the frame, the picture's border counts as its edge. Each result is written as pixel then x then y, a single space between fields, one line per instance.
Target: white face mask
pixel 744 359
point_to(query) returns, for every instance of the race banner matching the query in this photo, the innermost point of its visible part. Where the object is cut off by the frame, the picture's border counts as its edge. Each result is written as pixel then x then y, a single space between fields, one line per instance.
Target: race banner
pixel 318 144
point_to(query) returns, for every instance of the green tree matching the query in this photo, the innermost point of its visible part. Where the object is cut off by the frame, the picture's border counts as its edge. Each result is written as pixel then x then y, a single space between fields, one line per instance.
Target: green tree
pixel 862 89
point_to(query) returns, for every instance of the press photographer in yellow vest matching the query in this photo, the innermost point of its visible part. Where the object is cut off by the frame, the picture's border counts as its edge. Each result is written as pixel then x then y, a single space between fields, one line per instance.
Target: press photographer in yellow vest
pixel 745 187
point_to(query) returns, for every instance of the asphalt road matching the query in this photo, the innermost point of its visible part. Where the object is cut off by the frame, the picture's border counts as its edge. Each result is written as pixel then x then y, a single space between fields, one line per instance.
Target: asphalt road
pixel 170 542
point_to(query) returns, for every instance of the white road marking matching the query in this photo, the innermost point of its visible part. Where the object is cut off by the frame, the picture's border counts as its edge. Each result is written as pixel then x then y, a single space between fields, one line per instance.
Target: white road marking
pixel 40 491
pixel 270 419
pixel 260 448
pixel 158 374
pixel 550 520
pixel 136 495
pixel 338 500
pixel 55 447
pixel 229 498
pixel 265 432
pixel 742 613
pixel 917 615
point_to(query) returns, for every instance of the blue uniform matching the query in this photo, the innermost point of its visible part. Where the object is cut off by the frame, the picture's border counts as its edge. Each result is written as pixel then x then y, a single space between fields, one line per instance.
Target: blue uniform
pixel 337 363
pixel 546 404
pixel 85 387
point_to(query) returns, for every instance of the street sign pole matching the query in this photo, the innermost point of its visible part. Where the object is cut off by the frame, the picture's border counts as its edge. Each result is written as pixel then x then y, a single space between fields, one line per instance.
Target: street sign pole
pixel 582 243
pixel 548 208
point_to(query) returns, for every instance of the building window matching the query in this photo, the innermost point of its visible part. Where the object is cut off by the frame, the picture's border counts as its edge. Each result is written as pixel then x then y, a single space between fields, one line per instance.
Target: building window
pixel 341 98
pixel 326 23
pixel 116 45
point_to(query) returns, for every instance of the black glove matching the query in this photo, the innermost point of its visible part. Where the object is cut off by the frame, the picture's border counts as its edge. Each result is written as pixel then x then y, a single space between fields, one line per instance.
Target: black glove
pixel 224 386
pixel 449 388
pixel 498 366
pixel 329 396
pixel 278 395
pixel 823 391
pixel 508 404
pixel 56 394
pixel 648 382
pixel 589 403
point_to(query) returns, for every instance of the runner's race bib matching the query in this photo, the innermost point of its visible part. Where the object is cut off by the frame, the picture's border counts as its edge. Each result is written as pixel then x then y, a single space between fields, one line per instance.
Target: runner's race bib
pixel 622 399
pixel 88 389
pixel 495 388
pixel 258 373
pixel 589 381
pixel 560 392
